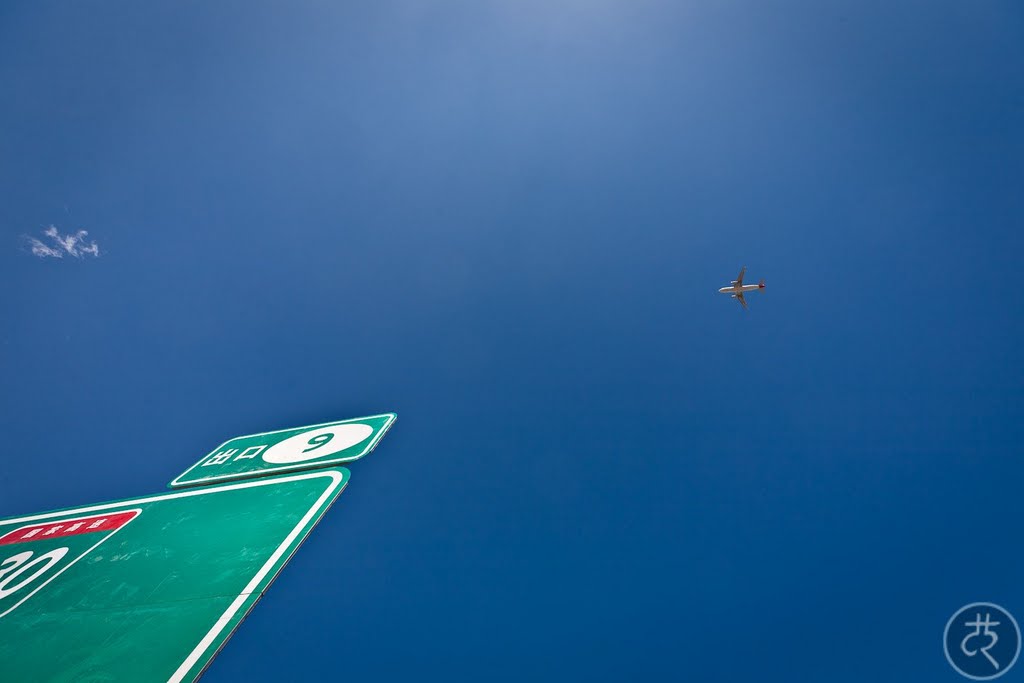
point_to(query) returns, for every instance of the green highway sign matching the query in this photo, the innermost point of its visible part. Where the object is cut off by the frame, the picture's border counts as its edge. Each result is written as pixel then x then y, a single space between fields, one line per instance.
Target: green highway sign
pixel 321 445
pixel 149 589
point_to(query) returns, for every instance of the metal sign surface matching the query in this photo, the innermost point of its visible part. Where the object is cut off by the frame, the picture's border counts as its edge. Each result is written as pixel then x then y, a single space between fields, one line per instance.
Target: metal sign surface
pixel 147 589
pixel 322 445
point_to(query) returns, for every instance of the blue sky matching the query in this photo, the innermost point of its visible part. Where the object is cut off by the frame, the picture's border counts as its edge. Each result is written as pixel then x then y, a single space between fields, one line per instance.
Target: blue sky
pixel 506 222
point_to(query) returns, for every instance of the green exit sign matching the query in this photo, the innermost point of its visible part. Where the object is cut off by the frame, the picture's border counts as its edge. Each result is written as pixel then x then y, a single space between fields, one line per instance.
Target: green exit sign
pixel 300 448
pixel 150 588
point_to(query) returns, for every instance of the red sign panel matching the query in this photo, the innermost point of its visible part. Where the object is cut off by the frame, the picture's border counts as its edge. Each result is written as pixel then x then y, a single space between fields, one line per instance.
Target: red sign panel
pixel 68 527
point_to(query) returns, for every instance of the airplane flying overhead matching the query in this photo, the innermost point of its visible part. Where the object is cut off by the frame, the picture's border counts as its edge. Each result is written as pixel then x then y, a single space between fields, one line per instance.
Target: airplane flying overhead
pixel 737 288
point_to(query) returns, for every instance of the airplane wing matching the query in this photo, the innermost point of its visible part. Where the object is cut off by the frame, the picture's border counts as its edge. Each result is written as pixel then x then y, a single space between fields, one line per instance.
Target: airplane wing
pixel 739 280
pixel 739 297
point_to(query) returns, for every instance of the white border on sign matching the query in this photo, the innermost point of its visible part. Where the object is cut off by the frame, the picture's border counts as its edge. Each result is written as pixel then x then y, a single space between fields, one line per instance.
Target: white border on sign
pixel 218 627
pixel 370 445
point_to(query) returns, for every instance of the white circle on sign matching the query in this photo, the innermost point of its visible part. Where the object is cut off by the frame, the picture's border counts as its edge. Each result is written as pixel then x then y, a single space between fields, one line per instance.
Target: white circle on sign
pixel 317 443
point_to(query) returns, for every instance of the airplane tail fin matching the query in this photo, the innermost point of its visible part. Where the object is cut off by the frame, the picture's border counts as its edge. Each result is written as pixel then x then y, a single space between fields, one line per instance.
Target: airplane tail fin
pixel 761 284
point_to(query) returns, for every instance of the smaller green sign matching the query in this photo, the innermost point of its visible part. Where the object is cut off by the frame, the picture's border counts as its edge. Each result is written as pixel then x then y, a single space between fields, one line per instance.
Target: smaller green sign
pixel 300 448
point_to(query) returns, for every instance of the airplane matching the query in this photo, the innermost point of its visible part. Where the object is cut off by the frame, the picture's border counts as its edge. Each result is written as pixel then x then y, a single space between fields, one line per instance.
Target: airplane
pixel 737 288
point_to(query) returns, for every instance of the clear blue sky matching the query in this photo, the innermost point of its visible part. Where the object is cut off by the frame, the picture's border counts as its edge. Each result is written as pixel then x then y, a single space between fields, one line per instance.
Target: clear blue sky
pixel 507 222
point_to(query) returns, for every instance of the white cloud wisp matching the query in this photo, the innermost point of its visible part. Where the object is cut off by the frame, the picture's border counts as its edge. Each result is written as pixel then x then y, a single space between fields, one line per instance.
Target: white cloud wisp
pixel 75 245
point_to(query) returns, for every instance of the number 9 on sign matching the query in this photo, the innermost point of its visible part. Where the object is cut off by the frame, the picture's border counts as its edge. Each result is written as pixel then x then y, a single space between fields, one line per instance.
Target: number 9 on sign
pixel 317 443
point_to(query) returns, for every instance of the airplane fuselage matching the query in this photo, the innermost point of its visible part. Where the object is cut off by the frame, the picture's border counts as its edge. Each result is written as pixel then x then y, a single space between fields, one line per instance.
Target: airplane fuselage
pixel 733 289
